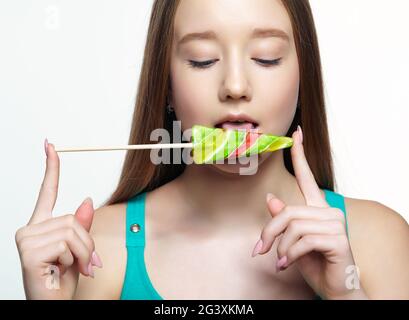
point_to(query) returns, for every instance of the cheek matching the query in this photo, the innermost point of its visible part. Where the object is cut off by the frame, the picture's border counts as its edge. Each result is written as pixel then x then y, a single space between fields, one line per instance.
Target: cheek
pixel 191 96
pixel 281 90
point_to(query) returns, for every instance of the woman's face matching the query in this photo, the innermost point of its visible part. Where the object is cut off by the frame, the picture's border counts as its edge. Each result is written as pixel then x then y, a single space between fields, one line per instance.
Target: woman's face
pixel 234 58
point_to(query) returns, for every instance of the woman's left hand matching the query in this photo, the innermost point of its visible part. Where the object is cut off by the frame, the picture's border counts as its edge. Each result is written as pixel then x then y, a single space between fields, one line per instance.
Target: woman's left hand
pixel 313 237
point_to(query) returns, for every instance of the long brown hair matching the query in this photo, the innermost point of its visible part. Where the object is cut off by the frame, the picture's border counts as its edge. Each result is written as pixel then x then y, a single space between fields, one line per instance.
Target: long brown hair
pixel 139 174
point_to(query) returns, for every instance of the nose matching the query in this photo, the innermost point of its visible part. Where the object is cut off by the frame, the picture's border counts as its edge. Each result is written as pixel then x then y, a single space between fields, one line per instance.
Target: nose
pixel 235 85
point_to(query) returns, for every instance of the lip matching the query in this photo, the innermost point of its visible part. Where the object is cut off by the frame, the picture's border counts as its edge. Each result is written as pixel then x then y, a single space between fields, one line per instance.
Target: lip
pixel 237 117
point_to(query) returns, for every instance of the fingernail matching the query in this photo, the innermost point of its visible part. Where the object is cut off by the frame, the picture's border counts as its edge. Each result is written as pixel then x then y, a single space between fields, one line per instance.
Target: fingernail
pixel 300 132
pixel 90 270
pixel 96 260
pixel 269 196
pixel 281 263
pixel 46 146
pixel 257 248
pixel 88 199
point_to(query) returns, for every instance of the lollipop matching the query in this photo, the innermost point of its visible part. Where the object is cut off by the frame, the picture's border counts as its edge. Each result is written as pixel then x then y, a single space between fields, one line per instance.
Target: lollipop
pixel 212 144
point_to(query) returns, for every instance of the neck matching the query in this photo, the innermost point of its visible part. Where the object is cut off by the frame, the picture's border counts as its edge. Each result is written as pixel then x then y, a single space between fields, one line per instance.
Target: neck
pixel 225 197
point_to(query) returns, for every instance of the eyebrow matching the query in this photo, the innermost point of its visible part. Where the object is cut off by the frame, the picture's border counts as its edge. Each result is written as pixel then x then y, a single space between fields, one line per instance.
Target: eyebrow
pixel 257 33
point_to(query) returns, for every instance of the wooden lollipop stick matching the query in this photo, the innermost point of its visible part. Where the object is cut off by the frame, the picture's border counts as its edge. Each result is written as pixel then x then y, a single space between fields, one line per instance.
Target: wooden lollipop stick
pixel 129 147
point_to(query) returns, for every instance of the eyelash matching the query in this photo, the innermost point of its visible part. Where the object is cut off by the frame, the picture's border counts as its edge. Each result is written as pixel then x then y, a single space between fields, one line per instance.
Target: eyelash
pixel 208 63
pixel 201 64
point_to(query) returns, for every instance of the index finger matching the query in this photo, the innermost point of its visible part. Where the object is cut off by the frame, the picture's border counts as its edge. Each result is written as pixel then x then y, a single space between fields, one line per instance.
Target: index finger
pixel 305 178
pixel 49 188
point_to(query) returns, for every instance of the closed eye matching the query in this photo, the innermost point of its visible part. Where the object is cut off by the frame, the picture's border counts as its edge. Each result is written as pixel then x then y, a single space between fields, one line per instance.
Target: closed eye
pixel 209 63
pixel 201 64
pixel 268 62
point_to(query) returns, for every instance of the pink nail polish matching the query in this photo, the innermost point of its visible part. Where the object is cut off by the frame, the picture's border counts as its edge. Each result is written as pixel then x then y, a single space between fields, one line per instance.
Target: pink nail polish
pixel 257 248
pixel 88 199
pixel 90 270
pixel 46 146
pixel 281 263
pixel 300 132
pixel 96 260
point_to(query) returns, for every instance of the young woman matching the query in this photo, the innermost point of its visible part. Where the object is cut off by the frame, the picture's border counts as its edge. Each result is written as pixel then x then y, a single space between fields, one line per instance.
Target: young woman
pixel 181 231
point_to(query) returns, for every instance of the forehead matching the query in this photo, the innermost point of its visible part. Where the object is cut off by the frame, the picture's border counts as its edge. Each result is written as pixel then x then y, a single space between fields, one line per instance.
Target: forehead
pixel 229 18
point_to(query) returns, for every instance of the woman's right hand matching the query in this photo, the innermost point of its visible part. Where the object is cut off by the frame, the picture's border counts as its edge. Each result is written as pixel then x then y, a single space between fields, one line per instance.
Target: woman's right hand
pixel 53 251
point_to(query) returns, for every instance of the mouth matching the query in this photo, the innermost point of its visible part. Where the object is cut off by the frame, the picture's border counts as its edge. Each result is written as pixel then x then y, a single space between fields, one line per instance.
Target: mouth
pixel 236 122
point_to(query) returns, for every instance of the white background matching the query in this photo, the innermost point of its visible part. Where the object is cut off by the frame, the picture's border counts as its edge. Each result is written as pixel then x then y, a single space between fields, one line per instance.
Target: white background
pixel 69 71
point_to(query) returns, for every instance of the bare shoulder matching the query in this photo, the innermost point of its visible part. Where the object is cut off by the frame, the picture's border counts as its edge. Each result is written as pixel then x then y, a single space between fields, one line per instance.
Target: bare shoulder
pixel 379 238
pixel 371 218
pixel 108 232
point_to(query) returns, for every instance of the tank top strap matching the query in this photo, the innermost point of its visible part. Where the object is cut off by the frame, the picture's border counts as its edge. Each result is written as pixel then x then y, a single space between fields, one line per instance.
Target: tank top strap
pixel 336 200
pixel 136 285
pixel 135 221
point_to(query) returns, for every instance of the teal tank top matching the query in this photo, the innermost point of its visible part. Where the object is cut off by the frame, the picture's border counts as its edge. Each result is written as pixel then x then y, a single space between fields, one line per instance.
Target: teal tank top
pixel 137 285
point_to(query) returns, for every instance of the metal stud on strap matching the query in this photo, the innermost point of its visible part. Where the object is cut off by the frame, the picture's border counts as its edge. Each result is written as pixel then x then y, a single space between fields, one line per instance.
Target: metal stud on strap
pixel 135 227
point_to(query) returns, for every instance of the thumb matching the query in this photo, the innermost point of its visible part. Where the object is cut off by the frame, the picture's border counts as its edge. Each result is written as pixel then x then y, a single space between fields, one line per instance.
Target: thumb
pixel 85 213
pixel 274 204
